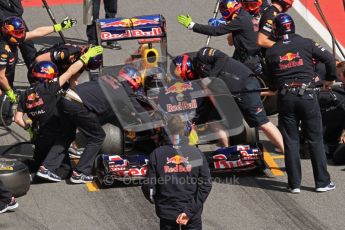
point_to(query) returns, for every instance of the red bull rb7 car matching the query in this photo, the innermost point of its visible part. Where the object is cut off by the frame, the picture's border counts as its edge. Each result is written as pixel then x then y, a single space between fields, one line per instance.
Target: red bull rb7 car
pixel 145 128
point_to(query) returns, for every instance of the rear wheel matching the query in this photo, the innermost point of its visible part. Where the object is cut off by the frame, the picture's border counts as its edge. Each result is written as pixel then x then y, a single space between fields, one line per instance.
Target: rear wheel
pixel 249 136
pixel 113 142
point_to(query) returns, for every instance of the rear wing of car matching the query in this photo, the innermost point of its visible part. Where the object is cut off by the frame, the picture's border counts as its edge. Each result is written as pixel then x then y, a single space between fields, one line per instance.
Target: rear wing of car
pixel 139 27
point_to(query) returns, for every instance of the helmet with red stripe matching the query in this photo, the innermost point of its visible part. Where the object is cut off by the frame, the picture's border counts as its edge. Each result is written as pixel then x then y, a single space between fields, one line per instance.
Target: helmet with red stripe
pixel 132 76
pixel 228 8
pixel 13 30
pixel 285 4
pixel 251 6
pixel 44 71
pixel 184 67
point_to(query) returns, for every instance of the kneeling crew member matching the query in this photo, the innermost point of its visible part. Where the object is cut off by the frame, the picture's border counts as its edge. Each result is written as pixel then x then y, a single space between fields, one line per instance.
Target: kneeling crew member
pixel 87 108
pixel 39 102
pixel 291 66
pixel 63 56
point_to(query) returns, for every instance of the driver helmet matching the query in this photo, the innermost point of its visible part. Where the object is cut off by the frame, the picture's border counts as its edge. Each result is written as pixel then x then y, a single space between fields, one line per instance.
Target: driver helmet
pixel 228 8
pixel 44 71
pixel 154 81
pixel 184 67
pixel 13 30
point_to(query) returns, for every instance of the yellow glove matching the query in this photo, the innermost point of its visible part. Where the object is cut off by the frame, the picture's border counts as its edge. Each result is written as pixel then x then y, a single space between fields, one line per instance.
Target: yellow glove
pixel 32 132
pixel 65 24
pixel 91 52
pixel 12 96
pixel 184 20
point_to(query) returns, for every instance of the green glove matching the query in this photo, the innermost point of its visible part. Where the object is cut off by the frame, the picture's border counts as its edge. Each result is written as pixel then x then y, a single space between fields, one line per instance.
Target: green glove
pixel 65 24
pixel 91 52
pixel 12 96
pixel 32 132
pixel 184 20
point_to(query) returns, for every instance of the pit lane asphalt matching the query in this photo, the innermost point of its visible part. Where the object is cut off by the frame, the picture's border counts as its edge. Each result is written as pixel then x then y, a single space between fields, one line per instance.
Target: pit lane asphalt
pixel 250 202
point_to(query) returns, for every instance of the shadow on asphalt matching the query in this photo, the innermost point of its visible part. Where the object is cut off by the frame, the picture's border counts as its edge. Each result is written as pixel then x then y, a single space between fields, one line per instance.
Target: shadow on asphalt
pixel 53 40
pixel 255 179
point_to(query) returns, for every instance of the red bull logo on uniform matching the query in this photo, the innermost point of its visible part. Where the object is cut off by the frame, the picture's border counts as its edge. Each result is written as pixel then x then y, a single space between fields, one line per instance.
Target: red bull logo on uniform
pixel 290 60
pixel 33 100
pixel 181 164
pixel 179 87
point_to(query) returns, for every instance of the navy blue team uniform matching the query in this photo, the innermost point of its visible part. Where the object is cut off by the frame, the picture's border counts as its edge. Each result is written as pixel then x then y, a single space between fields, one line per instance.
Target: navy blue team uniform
pixel 11 8
pixel 88 115
pixel 62 55
pixel 244 36
pixel 332 104
pixel 39 103
pixel 266 20
pixel 291 66
pixel 237 77
pixel 178 163
pixel 8 59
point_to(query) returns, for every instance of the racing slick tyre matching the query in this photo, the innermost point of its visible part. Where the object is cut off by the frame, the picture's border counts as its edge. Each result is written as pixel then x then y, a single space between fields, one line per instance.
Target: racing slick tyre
pixel 99 169
pixel 248 136
pixel 15 176
pixel 114 141
pixel 6 112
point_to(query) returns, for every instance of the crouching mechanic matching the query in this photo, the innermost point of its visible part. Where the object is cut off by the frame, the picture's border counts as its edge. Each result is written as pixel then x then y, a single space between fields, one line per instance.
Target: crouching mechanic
pixel 63 56
pixel 332 104
pixel 211 62
pixel 88 107
pixel 178 180
pixel 291 68
pixel 13 33
pixel 39 102
pixel 240 28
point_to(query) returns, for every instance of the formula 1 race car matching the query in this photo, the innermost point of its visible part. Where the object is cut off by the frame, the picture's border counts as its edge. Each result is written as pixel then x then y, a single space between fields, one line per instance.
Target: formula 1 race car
pixel 139 129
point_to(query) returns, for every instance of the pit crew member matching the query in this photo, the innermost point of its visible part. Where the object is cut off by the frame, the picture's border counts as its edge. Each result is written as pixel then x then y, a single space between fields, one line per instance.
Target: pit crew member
pixel 39 102
pixel 63 56
pixel 88 107
pixel 11 8
pixel 239 24
pixel 178 202
pixel 332 104
pixel 13 33
pixel 291 68
pixel 211 62
pixel 265 38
